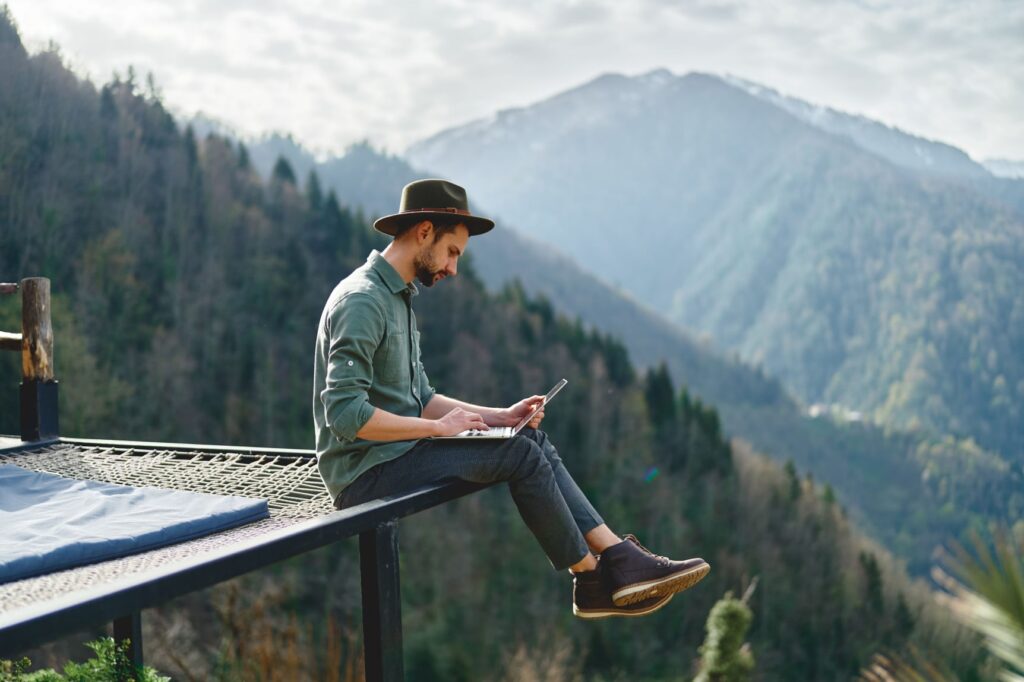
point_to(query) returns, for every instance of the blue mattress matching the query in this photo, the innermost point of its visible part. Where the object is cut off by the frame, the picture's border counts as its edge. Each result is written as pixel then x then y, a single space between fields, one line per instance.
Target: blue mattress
pixel 49 523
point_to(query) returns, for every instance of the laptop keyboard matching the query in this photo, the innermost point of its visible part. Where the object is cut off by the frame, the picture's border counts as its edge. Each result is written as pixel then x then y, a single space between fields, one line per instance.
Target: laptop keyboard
pixel 493 432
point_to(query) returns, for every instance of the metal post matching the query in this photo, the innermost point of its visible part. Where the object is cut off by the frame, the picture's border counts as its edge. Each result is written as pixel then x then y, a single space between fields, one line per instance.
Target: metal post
pixel 38 410
pixel 130 628
pixel 382 604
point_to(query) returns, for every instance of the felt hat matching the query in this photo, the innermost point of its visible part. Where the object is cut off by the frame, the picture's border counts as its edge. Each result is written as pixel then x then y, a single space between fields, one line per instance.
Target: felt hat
pixel 430 199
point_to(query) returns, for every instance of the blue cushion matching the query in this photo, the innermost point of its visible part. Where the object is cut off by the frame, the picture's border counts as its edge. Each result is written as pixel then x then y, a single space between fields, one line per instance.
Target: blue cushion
pixel 49 523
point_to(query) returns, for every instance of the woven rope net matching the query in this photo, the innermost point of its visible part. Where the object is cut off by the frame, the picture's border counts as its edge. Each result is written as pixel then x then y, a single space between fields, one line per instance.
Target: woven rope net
pixel 290 482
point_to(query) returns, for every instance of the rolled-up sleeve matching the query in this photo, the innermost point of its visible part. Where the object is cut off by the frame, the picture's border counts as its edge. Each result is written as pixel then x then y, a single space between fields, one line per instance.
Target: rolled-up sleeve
pixel 356 329
pixel 426 390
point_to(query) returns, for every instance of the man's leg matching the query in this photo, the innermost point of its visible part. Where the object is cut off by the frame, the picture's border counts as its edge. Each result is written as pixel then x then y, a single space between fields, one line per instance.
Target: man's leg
pixel 597 534
pixel 520 461
pixel 641 580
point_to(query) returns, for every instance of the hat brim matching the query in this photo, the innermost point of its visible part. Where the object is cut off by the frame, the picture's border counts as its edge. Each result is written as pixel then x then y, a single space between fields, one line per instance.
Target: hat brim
pixel 394 223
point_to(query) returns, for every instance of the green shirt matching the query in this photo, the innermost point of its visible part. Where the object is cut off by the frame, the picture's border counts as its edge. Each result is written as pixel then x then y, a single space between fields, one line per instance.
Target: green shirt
pixel 367 356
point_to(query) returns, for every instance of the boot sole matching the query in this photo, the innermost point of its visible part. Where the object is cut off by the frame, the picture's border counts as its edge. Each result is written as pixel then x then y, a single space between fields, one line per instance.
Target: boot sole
pixel 595 614
pixel 631 594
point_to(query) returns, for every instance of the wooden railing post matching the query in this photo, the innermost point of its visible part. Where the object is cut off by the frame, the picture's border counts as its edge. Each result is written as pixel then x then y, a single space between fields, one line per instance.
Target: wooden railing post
pixel 38 387
pixel 382 603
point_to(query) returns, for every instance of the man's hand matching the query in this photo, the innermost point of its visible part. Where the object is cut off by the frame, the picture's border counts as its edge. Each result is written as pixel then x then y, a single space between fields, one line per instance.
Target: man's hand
pixel 459 420
pixel 516 412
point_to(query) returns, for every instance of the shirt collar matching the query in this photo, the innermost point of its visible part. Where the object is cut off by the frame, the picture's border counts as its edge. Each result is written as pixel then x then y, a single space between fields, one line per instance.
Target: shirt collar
pixel 389 275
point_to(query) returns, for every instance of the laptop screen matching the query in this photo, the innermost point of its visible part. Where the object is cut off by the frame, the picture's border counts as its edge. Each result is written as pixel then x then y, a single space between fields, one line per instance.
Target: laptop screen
pixel 551 394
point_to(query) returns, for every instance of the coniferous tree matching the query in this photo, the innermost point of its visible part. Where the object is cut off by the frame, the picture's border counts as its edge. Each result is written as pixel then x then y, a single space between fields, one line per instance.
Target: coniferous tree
pixel 660 395
pixel 283 171
pixel 873 595
pixel 314 192
pixel 794 480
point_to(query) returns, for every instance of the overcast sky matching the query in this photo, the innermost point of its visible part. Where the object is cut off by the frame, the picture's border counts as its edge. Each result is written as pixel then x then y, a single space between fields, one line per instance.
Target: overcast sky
pixel 336 72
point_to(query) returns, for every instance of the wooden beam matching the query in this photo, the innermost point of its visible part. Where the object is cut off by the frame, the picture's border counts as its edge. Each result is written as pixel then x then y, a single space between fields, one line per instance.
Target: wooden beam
pixel 36 330
pixel 10 341
pixel 8 288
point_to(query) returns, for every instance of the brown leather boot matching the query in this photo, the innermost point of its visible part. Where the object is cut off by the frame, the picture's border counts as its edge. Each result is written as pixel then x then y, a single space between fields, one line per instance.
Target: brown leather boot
pixel 592 598
pixel 636 574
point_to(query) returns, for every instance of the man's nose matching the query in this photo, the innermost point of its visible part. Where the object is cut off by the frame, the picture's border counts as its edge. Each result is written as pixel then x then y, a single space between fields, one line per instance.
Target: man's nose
pixel 453 267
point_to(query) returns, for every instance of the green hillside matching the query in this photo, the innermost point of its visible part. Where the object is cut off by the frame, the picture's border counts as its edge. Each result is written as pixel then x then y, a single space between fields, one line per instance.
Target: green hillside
pixel 186 294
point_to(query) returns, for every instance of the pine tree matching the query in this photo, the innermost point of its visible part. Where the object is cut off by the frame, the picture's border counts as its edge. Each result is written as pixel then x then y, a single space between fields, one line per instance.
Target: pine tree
pixel 874 597
pixel 794 480
pixel 314 192
pixel 283 171
pixel 660 396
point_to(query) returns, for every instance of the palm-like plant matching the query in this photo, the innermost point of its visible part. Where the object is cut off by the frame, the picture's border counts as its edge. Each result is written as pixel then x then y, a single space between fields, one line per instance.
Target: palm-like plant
pixel 986 591
pixel 910 667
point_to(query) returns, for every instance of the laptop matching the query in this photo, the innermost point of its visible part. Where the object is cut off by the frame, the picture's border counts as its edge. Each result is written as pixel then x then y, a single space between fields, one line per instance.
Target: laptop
pixel 505 432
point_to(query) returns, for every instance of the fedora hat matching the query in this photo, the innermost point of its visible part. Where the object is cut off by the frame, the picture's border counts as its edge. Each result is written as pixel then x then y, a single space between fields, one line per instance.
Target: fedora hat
pixel 431 199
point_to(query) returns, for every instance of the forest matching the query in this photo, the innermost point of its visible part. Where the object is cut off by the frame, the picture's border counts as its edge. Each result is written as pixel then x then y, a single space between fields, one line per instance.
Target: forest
pixel 186 294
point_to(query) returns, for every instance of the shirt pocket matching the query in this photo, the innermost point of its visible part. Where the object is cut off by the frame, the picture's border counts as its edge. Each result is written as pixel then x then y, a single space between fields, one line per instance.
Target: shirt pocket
pixel 391 362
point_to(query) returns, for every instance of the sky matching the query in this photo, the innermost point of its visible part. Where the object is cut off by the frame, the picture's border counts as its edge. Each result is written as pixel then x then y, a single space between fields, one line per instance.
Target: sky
pixel 332 73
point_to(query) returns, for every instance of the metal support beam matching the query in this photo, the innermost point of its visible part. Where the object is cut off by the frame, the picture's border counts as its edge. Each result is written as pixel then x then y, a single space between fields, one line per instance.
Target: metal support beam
pixel 38 410
pixel 130 628
pixel 382 603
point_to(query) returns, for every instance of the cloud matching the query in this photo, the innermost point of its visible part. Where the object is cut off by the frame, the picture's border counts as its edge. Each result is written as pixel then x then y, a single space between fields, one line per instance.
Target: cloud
pixel 333 73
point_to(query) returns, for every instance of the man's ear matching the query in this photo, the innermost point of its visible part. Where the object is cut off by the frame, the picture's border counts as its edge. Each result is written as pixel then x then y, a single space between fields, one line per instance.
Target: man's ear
pixel 423 230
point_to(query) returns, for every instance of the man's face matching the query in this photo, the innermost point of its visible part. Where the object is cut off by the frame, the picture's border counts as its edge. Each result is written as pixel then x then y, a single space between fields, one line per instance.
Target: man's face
pixel 440 259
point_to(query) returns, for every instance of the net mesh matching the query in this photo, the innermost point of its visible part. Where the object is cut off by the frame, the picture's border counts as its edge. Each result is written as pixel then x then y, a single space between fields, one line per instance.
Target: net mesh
pixel 290 482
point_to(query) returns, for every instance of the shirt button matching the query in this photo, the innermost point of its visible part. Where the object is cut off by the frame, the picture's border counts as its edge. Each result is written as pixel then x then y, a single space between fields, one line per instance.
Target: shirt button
pixel 350 363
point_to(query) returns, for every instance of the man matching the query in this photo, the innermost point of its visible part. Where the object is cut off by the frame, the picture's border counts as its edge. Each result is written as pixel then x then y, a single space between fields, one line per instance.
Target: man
pixel 376 414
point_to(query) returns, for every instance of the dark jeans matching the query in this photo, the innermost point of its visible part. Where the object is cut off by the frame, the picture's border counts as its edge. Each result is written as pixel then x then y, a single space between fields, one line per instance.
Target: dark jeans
pixel 552 505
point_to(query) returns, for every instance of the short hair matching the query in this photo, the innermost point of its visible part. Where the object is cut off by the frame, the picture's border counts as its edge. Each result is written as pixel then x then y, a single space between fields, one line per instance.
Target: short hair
pixel 442 226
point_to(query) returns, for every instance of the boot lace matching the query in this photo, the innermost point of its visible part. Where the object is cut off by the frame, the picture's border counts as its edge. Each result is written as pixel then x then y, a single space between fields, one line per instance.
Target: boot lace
pixel 662 560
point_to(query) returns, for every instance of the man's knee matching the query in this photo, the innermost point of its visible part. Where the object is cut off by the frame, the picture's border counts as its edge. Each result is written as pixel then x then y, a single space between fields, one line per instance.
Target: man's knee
pixel 541 439
pixel 536 435
pixel 527 455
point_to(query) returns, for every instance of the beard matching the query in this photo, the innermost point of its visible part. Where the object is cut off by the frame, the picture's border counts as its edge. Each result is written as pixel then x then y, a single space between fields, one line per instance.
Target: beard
pixel 426 269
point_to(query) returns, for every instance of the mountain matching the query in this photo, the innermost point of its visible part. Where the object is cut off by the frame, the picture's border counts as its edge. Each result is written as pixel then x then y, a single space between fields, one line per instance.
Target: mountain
pixel 855 279
pixel 186 292
pixel 1005 168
